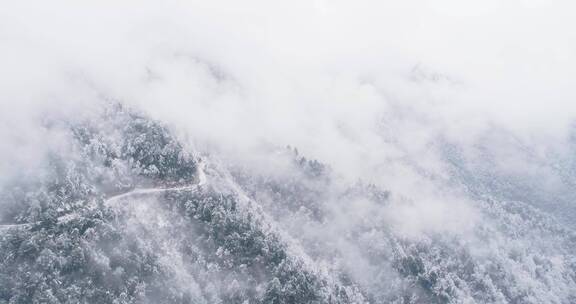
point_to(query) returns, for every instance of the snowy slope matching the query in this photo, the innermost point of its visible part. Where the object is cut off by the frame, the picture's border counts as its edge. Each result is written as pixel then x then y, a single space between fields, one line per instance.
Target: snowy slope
pixel 130 215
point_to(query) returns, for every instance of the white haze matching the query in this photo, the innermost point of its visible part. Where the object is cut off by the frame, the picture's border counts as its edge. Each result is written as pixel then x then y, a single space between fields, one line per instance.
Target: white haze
pixel 368 87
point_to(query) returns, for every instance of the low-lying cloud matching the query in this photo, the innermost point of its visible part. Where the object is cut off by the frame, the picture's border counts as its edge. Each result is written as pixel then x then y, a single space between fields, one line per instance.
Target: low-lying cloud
pixel 371 88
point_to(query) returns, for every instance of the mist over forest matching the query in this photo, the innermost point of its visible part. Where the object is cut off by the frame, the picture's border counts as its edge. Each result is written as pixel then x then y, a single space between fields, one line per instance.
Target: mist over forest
pixel 322 151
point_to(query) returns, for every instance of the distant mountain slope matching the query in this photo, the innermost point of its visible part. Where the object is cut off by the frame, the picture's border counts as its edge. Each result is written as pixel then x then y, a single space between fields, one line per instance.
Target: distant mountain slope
pixel 129 214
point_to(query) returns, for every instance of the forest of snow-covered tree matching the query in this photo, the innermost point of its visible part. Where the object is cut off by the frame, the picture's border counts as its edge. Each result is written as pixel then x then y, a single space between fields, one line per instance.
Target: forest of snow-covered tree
pixel 126 213
pixel 296 152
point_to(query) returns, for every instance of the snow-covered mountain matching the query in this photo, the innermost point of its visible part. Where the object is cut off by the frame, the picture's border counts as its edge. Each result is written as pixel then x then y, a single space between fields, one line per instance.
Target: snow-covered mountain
pixel 127 213
pixel 325 151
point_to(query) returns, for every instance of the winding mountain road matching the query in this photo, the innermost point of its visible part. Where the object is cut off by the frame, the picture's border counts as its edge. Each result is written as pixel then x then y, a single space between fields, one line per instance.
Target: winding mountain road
pixel 114 200
pixel 110 201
